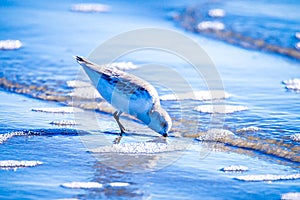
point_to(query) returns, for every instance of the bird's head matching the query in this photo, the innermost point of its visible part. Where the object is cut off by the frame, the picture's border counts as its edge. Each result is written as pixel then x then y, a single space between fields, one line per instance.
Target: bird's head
pixel 160 121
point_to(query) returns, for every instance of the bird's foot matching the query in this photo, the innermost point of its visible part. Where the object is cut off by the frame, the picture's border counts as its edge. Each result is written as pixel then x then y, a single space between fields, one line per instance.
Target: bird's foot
pixel 117 140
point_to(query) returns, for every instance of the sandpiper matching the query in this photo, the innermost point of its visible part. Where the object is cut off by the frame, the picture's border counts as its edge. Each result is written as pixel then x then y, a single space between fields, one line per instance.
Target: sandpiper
pixel 128 94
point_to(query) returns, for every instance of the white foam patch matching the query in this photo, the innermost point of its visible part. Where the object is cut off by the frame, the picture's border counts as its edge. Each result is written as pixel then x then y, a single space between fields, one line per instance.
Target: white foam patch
pixel 211 25
pixel 295 137
pixel 10 44
pixel 222 109
pixel 76 83
pixel 62 110
pixel 202 95
pixel 297 35
pixel 297 45
pixel 292 84
pixel 90 7
pixel 215 135
pixel 64 123
pixel 291 196
pixel 217 12
pixel 12 164
pixel 118 184
pixel 248 129
pixel 82 185
pixel 123 66
pixel 268 177
pixel 85 93
pixel 138 148
pixel 6 136
pixel 235 168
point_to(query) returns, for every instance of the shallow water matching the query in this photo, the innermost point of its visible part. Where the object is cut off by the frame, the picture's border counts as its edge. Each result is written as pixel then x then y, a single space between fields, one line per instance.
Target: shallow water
pixel 184 167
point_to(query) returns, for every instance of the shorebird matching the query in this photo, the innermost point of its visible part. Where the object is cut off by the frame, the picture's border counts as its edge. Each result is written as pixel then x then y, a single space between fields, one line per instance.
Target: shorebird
pixel 129 94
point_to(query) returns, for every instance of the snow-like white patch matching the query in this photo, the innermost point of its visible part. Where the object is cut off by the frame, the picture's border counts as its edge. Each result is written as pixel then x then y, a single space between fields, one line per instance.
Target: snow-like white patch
pixel 295 137
pixel 297 35
pixel 216 12
pixel 62 110
pixel 211 25
pixel 291 196
pixel 77 83
pixel 297 45
pixel 138 148
pixel 118 184
pixel 215 135
pixel 82 185
pixel 6 136
pixel 64 123
pixel 85 93
pixel 13 164
pixel 268 177
pixel 202 95
pixel 90 7
pixel 248 129
pixel 235 168
pixel 123 66
pixel 10 44
pixel 223 109
pixel 292 84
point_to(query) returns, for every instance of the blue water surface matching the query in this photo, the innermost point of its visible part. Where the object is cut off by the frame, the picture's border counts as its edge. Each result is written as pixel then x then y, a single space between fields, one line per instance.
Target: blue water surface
pixel 52 34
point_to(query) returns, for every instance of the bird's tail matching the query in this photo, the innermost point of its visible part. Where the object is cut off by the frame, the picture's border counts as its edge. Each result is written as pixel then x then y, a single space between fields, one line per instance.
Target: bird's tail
pixel 93 70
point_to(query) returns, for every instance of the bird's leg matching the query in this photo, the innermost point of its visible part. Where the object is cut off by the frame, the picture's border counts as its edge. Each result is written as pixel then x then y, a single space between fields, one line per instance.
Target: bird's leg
pixel 117 140
pixel 117 118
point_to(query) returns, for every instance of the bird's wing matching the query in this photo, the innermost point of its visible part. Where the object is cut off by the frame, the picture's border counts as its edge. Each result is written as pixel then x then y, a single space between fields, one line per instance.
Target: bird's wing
pixel 108 80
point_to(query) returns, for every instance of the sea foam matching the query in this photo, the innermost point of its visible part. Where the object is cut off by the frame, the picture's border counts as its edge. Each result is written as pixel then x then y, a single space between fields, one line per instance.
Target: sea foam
pixel 138 148
pixel 64 123
pixel 222 109
pixel 13 164
pixel 211 25
pixel 215 135
pixel 295 137
pixel 292 84
pixel 235 168
pixel 202 95
pixel 268 177
pixel 82 185
pixel 248 129
pixel 90 7
pixel 63 110
pixel 217 12
pixel 10 44
pixel 291 196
